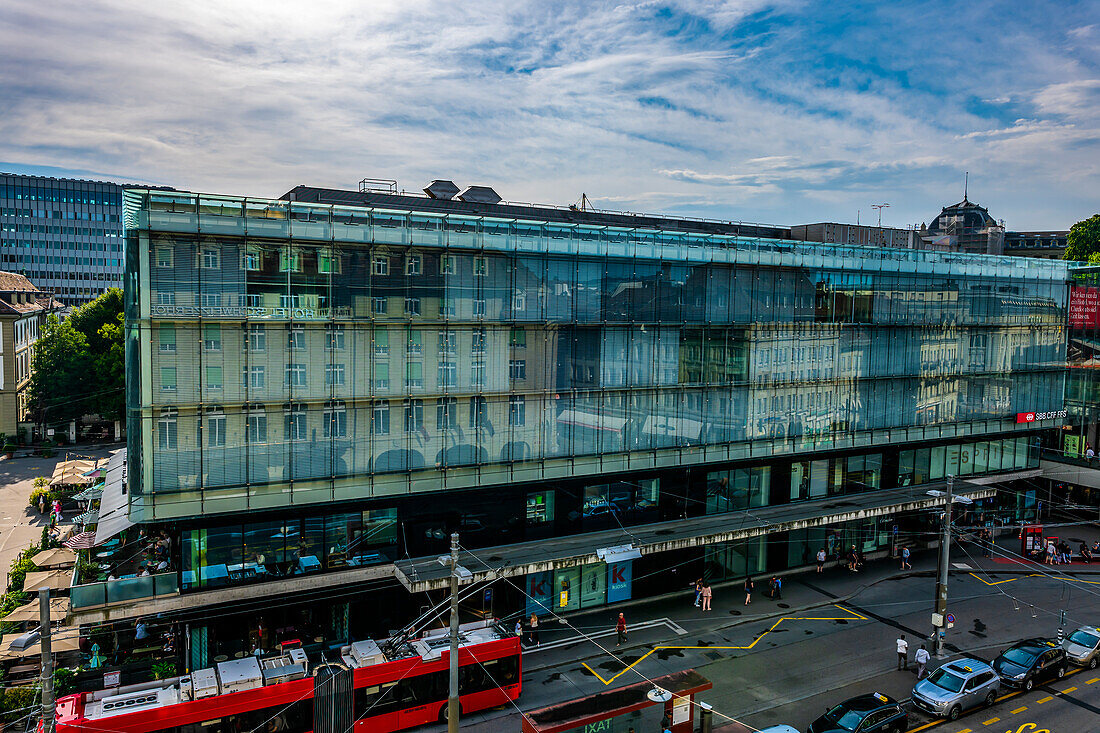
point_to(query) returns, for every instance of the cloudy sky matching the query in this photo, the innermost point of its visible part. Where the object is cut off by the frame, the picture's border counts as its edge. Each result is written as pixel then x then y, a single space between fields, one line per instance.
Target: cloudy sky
pixel 781 112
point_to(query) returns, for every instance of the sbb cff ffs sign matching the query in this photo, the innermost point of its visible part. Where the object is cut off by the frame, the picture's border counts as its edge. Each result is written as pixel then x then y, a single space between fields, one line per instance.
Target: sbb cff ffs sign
pixel 1033 416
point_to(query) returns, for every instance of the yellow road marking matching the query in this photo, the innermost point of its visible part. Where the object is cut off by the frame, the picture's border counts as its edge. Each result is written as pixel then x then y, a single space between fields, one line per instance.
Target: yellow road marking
pixel 1045 699
pixel 966 730
pixel 1034 575
pixel 926 726
pixel 1094 679
pixel 1019 710
pixel 1068 690
pixel 853 616
pixel 991 721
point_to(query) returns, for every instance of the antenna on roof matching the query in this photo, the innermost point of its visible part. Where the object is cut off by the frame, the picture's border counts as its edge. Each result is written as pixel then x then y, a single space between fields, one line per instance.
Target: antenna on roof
pixel 584 204
pixel 966 184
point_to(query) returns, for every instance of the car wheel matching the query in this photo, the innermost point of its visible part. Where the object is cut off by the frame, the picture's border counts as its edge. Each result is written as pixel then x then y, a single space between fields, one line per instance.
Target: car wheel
pixel 953 713
pixel 1061 672
pixel 991 698
pixel 1029 685
pixel 1092 662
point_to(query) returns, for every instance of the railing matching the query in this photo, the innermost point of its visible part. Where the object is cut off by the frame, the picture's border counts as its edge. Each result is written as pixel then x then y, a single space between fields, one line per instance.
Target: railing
pixel 109 592
pixel 1050 454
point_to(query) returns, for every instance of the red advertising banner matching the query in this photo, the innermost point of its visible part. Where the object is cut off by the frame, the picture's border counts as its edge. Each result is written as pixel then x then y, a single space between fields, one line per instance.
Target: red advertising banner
pixel 1084 307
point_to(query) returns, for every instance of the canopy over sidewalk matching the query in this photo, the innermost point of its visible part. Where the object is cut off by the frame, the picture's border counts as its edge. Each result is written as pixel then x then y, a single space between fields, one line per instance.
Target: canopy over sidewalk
pixel 55 558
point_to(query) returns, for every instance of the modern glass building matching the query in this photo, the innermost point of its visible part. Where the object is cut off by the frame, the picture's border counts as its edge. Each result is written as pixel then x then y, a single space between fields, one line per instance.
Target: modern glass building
pixel 315 388
pixel 64 234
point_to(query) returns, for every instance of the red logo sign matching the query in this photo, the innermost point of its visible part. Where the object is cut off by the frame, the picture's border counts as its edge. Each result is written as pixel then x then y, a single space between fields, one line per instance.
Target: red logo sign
pixel 1025 417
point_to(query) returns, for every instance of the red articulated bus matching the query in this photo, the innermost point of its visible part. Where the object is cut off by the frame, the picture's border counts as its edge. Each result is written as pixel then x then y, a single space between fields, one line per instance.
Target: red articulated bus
pixel 395 686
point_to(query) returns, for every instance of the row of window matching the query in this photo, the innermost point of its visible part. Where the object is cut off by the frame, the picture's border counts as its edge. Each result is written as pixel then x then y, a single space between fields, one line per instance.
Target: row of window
pixel 254 339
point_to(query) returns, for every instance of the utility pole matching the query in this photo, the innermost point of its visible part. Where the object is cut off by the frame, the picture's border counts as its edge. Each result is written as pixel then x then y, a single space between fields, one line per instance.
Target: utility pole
pixel 452 697
pixel 47 660
pixel 941 580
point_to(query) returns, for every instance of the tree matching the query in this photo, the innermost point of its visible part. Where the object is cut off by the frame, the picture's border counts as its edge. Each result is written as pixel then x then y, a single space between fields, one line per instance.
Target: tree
pixel 78 365
pixel 1084 239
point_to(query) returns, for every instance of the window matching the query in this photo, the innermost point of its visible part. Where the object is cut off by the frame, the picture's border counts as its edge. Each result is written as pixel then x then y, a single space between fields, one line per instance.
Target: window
pixel 481 267
pixel 412 265
pixel 540 507
pixel 290 301
pixel 168 379
pixel 295 415
pixel 253 377
pixel 378 306
pixel 167 337
pixel 166 298
pixel 334 375
pixel 414 416
pixel 213 377
pixel 211 300
pixel 296 337
pixel 334 336
pixel 446 413
pixel 414 375
pixel 255 337
pixel 412 306
pixel 479 307
pixel 519 300
pixel 448 265
pixel 380 265
pixel 517 369
pixel 256 425
pixel 380 421
pixel 329 264
pixel 446 307
pixel 477 373
pixel 518 338
pixel 214 425
pixel 295 375
pixel 381 376
pixel 381 343
pixel 479 412
pixel 413 344
pixel 290 262
pixel 336 420
pixel 517 410
pixel 212 337
pixel 164 257
pixel 210 258
pixel 251 260
pixel 448 371
pixel 448 342
pixel 477 345
pixel 166 428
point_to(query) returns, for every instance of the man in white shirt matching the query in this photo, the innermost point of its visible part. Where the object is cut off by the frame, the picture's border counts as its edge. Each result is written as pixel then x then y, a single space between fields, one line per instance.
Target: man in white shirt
pixel 921 658
pixel 903 653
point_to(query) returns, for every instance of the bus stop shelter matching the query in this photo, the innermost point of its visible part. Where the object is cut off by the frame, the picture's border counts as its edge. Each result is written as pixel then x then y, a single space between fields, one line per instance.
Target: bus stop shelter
pixel 619 710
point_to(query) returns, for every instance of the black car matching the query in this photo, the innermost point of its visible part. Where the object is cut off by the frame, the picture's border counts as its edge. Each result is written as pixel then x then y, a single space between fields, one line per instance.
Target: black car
pixel 1031 662
pixel 874 713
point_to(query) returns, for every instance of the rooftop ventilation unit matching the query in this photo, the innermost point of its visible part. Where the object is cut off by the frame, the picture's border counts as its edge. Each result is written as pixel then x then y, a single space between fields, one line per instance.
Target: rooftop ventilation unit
pixel 131 701
pixel 240 674
pixel 444 190
pixel 479 195
pixel 377 185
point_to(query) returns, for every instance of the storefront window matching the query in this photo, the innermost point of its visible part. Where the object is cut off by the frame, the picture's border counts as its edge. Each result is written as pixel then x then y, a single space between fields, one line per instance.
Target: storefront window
pixel 938 457
pixel 540 507
pixel 738 489
pixel 593 591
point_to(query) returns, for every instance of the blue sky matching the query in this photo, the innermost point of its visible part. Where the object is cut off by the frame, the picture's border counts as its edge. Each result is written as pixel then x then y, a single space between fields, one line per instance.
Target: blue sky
pixel 782 112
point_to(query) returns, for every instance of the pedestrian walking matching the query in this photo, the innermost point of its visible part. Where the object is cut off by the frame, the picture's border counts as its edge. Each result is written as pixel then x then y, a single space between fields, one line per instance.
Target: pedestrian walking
pixel 707 593
pixel 620 629
pixel 748 589
pixel 821 560
pixel 905 559
pixel 698 592
pixel 519 630
pixel 903 653
pixel 921 658
pixel 534 625
pixel 1050 553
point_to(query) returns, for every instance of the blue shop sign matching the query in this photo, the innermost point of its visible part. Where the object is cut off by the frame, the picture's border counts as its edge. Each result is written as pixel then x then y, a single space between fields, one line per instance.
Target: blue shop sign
pixel 619 581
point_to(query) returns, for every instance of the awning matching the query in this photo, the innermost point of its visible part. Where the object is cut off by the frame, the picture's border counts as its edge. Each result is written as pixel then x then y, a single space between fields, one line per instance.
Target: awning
pixel 53 579
pixel 54 558
pixel 589 420
pixel 59 609
pixel 68 473
pixel 89 517
pixel 61 640
pixel 89 494
pixel 113 507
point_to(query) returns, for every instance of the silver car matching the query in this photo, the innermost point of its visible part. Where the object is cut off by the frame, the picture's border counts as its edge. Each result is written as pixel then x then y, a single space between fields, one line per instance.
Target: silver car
pixel 955 687
pixel 1083 646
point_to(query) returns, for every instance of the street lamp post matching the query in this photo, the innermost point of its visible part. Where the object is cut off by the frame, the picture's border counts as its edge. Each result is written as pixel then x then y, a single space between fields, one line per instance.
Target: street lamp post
pixel 939 618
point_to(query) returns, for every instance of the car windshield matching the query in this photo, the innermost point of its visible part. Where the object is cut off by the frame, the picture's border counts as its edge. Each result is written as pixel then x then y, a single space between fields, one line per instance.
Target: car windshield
pixel 845 718
pixel 942 678
pixel 1084 638
pixel 1019 656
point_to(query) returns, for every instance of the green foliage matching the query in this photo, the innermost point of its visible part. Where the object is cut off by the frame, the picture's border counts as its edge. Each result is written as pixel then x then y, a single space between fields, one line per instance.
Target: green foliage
pixel 78 364
pixel 36 492
pixel 17 701
pixel 163 669
pixel 64 681
pixel 1083 242
pixel 41 481
pixel 20 566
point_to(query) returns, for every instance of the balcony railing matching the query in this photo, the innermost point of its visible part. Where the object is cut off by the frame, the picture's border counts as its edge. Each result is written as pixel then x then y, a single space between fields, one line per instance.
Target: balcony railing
pixel 109 592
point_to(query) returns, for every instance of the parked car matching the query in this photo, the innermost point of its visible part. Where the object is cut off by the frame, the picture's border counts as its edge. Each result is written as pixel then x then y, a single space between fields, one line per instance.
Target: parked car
pixel 778 729
pixel 955 687
pixel 873 713
pixel 1031 662
pixel 1083 646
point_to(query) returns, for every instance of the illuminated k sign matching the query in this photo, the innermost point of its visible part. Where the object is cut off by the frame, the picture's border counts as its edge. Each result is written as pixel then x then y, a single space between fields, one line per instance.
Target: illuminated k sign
pixel 617 573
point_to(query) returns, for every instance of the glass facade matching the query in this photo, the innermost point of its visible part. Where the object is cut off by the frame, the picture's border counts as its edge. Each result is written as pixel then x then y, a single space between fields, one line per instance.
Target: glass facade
pixel 65 235
pixel 286 353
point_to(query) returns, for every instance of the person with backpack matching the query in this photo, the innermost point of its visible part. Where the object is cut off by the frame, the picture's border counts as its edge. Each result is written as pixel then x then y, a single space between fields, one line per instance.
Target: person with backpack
pixel 905 559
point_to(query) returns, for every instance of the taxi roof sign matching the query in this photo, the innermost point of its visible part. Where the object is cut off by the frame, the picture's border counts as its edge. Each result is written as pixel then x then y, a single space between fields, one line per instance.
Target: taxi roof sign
pixel 882 697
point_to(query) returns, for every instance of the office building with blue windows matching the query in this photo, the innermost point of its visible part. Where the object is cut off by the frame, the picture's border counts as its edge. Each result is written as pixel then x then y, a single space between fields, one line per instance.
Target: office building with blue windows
pixel 323 387
pixel 64 234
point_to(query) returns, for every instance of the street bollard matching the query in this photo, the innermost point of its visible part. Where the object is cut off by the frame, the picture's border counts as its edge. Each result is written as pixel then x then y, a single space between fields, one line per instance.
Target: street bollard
pixel 706 718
